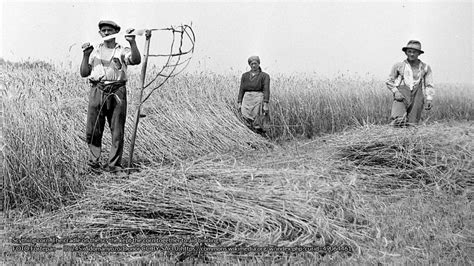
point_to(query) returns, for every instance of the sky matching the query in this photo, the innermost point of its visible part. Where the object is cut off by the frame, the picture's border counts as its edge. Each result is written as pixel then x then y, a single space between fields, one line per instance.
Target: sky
pixel 324 38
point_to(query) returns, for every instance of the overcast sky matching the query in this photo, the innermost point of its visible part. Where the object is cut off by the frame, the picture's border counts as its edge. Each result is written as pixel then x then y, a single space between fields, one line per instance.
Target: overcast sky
pixel 321 37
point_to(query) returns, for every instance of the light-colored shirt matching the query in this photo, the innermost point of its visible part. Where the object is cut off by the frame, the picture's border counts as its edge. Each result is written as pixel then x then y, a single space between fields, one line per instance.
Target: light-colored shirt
pixel 402 71
pixel 110 64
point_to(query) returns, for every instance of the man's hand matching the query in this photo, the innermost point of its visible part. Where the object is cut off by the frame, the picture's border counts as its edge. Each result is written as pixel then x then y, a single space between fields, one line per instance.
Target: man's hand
pixel 135 58
pixel 398 96
pixel 265 108
pixel 129 38
pixel 87 48
pixel 428 105
pixel 86 68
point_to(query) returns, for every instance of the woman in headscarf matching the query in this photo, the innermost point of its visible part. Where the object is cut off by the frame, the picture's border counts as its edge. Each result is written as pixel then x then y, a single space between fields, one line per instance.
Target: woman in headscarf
pixel 254 95
pixel 411 82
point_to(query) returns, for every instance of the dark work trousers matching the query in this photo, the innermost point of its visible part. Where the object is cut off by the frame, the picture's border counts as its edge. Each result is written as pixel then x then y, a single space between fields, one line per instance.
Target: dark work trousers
pixel 106 102
pixel 409 110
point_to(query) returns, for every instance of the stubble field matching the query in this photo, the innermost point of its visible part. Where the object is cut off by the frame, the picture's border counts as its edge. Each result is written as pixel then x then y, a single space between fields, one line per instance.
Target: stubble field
pixel 331 173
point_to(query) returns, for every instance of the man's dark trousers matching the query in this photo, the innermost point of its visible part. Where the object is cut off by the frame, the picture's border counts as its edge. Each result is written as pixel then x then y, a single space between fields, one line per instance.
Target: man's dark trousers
pixel 106 102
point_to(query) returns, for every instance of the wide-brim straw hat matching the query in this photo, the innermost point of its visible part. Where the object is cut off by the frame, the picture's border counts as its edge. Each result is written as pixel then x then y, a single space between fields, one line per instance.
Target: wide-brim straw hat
pixel 109 23
pixel 413 44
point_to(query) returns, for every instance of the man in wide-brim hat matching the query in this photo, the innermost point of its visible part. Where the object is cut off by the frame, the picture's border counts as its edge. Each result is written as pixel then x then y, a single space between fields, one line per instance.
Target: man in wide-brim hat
pixel 106 68
pixel 411 83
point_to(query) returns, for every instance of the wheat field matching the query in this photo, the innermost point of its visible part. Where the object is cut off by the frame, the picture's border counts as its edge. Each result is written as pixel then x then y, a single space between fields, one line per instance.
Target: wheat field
pixel 331 173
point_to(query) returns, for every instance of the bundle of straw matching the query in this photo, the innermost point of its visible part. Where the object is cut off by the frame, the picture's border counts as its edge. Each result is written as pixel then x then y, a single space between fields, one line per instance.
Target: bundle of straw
pixel 412 158
pixel 217 200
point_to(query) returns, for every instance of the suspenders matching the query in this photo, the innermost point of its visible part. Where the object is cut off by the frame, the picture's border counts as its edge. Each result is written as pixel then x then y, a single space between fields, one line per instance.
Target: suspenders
pixel 422 69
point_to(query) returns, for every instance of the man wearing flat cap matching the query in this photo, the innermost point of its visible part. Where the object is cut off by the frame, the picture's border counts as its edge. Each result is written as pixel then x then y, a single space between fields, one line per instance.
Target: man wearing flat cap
pixel 411 83
pixel 106 68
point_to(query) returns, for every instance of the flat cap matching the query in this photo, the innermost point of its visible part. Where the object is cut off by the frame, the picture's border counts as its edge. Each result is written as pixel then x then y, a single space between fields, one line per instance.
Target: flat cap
pixel 109 23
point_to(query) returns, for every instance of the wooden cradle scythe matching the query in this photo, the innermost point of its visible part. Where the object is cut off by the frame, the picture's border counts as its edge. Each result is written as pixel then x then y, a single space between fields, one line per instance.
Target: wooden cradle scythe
pixel 174 65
